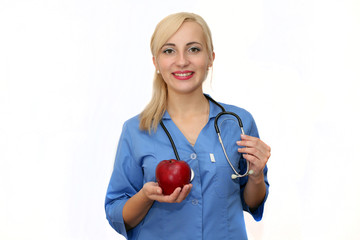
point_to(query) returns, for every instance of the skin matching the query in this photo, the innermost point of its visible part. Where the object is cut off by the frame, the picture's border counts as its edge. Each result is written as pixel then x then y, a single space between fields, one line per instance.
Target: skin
pixel 189 110
pixel 257 153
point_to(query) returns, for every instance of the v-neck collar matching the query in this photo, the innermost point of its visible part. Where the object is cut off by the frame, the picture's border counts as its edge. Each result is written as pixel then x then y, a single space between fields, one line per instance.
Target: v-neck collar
pixel 213 111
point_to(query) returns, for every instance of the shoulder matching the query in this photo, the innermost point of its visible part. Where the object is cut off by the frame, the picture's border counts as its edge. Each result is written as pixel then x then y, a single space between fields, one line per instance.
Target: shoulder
pixel 132 123
pixel 131 128
pixel 242 112
pixel 246 117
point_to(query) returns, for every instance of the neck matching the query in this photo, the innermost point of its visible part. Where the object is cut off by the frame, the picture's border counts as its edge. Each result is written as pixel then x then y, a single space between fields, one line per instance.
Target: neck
pixel 187 104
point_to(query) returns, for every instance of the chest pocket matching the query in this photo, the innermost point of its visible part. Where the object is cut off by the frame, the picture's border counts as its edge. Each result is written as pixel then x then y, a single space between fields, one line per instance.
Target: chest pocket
pixel 230 133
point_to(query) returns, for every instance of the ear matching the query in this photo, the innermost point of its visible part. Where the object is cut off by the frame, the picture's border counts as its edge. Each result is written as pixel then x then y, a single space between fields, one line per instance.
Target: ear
pixel 155 64
pixel 212 60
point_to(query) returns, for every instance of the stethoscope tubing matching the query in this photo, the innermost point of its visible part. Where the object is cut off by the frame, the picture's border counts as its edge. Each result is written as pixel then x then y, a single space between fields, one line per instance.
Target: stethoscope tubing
pixel 236 174
pixel 171 141
pixel 223 112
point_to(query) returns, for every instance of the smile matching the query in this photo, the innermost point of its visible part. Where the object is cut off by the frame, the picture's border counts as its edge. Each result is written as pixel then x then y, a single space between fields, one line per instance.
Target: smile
pixel 184 75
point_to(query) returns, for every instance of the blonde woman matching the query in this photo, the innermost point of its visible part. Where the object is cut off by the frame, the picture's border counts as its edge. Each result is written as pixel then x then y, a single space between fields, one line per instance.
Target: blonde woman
pixel 212 205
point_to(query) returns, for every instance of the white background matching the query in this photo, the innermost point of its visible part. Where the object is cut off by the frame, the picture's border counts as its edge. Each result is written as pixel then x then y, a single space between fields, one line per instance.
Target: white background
pixel 72 71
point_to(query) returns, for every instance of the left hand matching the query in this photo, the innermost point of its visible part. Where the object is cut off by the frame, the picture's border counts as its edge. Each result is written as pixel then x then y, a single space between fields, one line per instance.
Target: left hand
pixel 152 191
pixel 256 152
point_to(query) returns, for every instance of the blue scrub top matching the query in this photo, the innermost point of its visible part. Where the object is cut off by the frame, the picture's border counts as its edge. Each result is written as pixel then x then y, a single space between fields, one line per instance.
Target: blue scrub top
pixel 213 209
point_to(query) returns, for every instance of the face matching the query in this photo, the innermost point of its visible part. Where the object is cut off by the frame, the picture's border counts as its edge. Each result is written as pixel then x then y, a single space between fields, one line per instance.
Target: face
pixel 183 61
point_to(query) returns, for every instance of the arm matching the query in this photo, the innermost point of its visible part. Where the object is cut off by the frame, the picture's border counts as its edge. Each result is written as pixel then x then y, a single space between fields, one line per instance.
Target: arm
pixel 128 199
pixel 126 180
pixel 135 209
pixel 257 153
pixel 255 191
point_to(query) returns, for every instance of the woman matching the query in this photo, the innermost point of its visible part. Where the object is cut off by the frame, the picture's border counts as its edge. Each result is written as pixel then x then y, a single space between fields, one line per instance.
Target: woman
pixel 212 205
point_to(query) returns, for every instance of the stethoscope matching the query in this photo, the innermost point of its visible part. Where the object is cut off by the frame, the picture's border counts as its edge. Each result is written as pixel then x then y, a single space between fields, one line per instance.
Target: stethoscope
pixel 223 112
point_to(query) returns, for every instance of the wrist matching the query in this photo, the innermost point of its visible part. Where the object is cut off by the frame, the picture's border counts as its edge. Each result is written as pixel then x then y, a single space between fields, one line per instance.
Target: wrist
pixel 256 179
pixel 143 197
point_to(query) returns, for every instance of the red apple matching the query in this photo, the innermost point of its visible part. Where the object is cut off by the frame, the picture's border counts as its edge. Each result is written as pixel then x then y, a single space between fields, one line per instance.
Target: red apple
pixel 171 174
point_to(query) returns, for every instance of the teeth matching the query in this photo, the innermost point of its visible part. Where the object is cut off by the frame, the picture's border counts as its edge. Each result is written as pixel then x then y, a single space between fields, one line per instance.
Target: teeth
pixel 183 74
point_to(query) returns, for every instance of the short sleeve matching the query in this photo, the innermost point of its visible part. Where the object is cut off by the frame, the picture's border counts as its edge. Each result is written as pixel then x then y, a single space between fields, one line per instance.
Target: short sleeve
pixel 126 180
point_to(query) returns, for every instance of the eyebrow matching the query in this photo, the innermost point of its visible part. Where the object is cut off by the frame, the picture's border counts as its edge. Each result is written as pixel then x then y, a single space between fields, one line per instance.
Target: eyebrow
pixel 173 44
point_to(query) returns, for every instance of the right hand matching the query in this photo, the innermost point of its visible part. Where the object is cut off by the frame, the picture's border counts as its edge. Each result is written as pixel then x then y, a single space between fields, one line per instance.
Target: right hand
pixel 152 191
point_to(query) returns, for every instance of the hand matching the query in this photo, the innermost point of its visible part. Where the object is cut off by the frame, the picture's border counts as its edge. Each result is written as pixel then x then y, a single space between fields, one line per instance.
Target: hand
pixel 256 152
pixel 152 191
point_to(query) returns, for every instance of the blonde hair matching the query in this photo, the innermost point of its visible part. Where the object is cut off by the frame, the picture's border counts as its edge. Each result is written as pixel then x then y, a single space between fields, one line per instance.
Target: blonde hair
pixel 154 111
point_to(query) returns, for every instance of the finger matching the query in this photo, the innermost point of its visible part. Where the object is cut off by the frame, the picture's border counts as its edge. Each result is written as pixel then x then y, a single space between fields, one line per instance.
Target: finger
pixel 255 166
pixel 247 137
pixel 252 151
pixel 156 190
pixel 184 192
pixel 167 198
pixel 172 197
pixel 150 189
pixel 251 158
pixel 255 162
pixel 256 143
pixel 249 142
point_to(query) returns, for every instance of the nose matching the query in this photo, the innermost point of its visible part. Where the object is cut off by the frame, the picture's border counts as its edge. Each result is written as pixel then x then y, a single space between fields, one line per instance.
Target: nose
pixel 182 60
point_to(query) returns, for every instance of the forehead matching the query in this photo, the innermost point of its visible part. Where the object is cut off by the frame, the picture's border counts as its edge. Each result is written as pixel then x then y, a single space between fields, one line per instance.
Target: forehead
pixel 188 32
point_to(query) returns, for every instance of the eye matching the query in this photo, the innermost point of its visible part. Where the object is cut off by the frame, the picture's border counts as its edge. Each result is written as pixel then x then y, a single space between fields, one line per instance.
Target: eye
pixel 168 51
pixel 194 49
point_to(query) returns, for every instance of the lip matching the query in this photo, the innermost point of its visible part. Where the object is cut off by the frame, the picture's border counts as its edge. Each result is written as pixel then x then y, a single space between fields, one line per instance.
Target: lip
pixel 183 75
